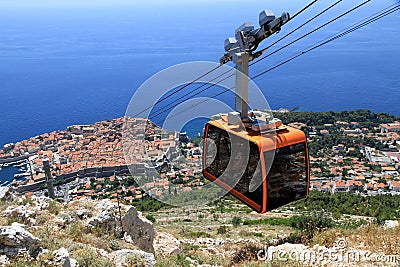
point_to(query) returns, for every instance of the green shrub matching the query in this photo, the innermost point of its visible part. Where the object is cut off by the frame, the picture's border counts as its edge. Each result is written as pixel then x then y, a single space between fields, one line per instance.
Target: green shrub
pixel 115 244
pixel 352 224
pixel 89 258
pixel 27 201
pixel 236 221
pixel 215 217
pixel 258 234
pixel 310 224
pixel 222 230
pixel 151 218
pixel 269 221
pixel 53 207
pixel 245 254
pixel 384 207
pixel 13 220
pixel 135 260
pixel 149 204
pixel 199 234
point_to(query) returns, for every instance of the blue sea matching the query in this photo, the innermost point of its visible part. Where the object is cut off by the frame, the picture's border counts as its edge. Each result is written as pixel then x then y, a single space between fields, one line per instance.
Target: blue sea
pixel 7 175
pixel 75 64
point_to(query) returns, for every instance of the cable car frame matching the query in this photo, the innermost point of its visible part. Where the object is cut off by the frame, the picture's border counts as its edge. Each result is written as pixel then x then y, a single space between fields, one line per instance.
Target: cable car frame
pixel 278 163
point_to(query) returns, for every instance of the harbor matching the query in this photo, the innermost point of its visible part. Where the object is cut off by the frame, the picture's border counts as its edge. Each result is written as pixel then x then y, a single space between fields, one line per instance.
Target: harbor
pixel 14 171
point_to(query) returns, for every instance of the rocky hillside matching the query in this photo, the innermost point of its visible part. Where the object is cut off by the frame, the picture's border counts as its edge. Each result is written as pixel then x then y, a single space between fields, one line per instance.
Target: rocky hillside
pixel 42 232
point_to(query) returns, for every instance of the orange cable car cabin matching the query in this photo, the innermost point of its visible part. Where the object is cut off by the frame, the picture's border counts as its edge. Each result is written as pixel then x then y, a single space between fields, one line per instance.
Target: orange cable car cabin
pixel 259 161
pixel 265 171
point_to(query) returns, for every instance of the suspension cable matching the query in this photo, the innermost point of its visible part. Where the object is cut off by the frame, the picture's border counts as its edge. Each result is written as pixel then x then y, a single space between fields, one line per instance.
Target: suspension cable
pixel 214 69
pixel 301 26
pixel 353 28
pixel 177 91
pixel 304 9
pixel 377 16
pixel 185 98
pixel 311 32
pixel 160 111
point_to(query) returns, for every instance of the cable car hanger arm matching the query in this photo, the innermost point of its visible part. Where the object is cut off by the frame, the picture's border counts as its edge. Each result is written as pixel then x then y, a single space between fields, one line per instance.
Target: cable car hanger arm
pixel 247 39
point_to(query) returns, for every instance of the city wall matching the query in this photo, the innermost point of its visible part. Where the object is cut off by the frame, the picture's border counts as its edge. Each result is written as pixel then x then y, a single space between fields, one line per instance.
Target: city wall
pixel 98 172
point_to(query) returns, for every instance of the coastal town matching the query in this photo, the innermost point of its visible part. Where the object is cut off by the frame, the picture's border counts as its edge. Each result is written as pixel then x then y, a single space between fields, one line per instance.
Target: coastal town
pixel 129 159
pixel 361 169
pixel 90 161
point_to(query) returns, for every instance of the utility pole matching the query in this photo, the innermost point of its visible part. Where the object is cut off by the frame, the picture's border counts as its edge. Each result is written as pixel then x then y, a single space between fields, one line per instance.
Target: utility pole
pixel 241 50
pixel 119 205
pixel 49 178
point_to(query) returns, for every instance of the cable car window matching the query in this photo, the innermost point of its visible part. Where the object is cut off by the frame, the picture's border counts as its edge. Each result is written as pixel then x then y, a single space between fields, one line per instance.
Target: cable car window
pixel 244 172
pixel 287 180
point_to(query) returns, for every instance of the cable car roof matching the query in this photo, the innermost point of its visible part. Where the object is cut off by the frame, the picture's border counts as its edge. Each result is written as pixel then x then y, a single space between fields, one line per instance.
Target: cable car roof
pixel 282 137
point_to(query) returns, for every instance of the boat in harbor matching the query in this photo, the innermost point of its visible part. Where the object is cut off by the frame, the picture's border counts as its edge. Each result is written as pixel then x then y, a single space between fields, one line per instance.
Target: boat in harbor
pixel 22 175
pixel 20 164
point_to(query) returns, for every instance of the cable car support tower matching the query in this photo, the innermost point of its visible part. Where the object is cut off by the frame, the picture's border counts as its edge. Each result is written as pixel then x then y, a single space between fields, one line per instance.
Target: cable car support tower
pixel 242 50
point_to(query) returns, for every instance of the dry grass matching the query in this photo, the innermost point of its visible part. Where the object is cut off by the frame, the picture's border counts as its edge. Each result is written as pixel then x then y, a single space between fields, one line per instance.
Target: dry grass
pixel 376 239
pixel 182 223
pixel 327 238
pixel 200 257
pixel 373 237
pixel 88 257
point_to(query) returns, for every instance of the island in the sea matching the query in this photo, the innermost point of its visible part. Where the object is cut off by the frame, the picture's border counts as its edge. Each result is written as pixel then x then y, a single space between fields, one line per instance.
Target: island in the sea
pixel 355 151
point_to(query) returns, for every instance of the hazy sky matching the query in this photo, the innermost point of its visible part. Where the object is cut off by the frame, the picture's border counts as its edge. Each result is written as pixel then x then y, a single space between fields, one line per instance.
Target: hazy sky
pixel 62 3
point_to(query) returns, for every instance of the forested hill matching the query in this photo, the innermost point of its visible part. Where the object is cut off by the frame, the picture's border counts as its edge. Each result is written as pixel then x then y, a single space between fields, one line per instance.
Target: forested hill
pixel 365 118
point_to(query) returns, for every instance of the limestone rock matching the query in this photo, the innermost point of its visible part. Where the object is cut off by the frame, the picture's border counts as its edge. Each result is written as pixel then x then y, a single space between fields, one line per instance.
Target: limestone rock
pixel 4 261
pixel 391 224
pixel 82 213
pixel 106 216
pixel 42 202
pixel 166 245
pixel 138 230
pixel 120 257
pixel 23 213
pixel 15 240
pixel 102 252
pixel 135 227
pixel 61 258
pixel 63 220
pixel 4 192
pixel 73 263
